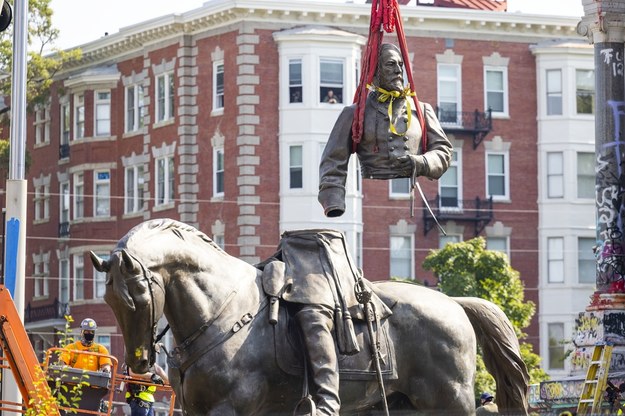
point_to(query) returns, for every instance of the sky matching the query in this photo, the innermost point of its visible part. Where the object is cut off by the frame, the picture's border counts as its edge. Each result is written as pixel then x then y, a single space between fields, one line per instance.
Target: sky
pixel 82 21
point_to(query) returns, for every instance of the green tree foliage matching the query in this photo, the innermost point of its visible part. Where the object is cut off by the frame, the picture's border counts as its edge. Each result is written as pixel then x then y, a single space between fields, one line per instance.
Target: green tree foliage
pixel 44 61
pixel 468 269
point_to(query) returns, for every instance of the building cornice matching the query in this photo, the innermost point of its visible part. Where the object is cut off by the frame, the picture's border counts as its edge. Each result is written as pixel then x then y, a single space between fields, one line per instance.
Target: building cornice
pixel 417 21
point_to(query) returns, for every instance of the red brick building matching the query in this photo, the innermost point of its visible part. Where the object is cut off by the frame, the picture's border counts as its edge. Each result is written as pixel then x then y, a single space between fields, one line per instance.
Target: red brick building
pixel 215 117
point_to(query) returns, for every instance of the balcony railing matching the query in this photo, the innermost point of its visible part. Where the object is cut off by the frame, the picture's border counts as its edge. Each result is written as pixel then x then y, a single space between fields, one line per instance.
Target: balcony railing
pixel 64 229
pixel 473 122
pixel 479 211
pixel 57 310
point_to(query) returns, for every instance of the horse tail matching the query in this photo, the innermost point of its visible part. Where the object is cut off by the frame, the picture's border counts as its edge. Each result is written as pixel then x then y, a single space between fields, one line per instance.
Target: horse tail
pixel 501 353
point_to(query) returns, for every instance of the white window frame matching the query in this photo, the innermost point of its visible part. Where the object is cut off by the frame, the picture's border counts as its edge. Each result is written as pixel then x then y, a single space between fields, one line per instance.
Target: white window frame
pixel 456 80
pixel 553 93
pixel 218 91
pixel 505 174
pixel 219 172
pixel 42 125
pixel 455 166
pixel 166 165
pixel 449 238
pixel 133 112
pixel 559 345
pixel 588 91
pixel 399 188
pixel 334 86
pixel 101 201
pixel 65 126
pixel 586 258
pixel 506 243
pixel 394 251
pixel 555 260
pixel 591 177
pixel 164 99
pixel 42 202
pixel 78 201
pixel 64 202
pixel 79 116
pixel 64 288
pixel 296 87
pixel 102 113
pixel 38 277
pixel 78 282
pixel 296 167
pixel 555 175
pixel 504 91
pixel 133 192
pixel 219 239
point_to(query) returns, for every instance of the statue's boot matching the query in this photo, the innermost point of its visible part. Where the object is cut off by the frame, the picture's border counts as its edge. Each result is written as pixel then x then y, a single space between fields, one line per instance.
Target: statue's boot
pixel 316 323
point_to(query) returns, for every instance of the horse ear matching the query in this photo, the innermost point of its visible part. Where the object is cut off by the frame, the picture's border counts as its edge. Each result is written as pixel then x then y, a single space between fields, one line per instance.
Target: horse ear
pixel 131 264
pixel 100 264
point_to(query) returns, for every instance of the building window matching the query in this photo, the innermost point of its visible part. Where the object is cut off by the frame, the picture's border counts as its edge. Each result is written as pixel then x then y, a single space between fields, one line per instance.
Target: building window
pixel 79 196
pixel 402 257
pixel 399 188
pixel 555 260
pixel 99 279
pixel 79 277
pixel 103 113
pixel 450 184
pixel 79 116
pixel 42 125
pixel 585 175
pixel 134 107
pixel 331 81
pixel 554 92
pixel 41 274
pixel 102 185
pixel 219 239
pixel 133 192
pixel 104 340
pixel 585 91
pixel 165 97
pixel 449 93
pixel 218 172
pixel 65 124
pixel 64 202
pixel 295 167
pixel 586 262
pixel 295 81
pixel 496 90
pixel 42 202
pixel 218 85
pixel 497 176
pixel 64 280
pixel 164 180
pixel 555 175
pixel 556 346
pixel 498 244
pixel 443 240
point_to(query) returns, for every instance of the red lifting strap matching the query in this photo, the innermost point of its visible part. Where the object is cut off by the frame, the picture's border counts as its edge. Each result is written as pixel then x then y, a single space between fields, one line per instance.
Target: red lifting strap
pixel 384 14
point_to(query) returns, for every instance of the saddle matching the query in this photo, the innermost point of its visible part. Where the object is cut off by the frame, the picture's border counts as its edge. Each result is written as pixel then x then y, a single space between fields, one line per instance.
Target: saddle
pixel 314 267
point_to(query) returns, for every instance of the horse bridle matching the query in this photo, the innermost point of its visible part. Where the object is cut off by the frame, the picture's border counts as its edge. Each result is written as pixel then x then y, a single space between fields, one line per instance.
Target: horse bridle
pixel 149 277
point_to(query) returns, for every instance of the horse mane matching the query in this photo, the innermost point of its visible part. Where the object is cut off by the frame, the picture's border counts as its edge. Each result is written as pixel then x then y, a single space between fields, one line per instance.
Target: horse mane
pixel 167 233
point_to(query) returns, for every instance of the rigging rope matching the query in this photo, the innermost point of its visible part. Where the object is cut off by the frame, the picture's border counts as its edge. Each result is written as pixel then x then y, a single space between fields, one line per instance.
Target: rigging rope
pixel 385 17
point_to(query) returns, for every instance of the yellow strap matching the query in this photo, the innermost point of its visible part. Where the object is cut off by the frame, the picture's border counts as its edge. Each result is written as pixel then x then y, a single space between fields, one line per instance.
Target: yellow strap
pixel 390 96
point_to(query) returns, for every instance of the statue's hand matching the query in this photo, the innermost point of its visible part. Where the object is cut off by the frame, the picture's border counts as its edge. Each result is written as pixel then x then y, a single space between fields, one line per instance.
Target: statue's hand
pixel 413 162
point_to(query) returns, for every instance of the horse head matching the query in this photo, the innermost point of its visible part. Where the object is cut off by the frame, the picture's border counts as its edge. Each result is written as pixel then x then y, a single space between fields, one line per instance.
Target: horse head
pixel 137 297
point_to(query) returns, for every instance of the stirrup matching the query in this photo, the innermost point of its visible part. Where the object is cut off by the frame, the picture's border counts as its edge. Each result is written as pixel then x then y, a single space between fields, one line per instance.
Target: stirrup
pixel 311 404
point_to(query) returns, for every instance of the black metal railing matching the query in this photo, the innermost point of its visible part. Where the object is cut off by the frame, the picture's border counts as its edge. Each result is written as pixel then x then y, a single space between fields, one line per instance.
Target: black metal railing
pixel 477 123
pixel 56 310
pixel 64 229
pixel 478 210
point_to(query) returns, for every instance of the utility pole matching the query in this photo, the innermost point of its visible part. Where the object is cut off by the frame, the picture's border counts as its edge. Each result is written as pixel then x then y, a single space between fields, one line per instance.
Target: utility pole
pixel 16 186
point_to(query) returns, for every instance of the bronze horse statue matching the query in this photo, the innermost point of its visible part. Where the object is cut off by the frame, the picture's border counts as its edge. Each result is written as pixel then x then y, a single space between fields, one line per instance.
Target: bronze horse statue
pixel 226 349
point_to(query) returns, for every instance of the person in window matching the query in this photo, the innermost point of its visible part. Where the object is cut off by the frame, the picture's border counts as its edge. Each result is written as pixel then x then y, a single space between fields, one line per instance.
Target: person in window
pixel 74 353
pixel 390 146
pixel 330 97
pixel 140 397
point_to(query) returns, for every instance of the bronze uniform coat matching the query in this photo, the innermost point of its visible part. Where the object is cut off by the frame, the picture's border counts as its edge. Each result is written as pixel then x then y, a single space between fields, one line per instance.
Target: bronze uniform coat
pixel 379 148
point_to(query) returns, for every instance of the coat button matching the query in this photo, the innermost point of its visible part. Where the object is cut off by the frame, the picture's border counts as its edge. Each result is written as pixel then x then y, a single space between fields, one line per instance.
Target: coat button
pixel 405 138
pixel 405 147
pixel 392 148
